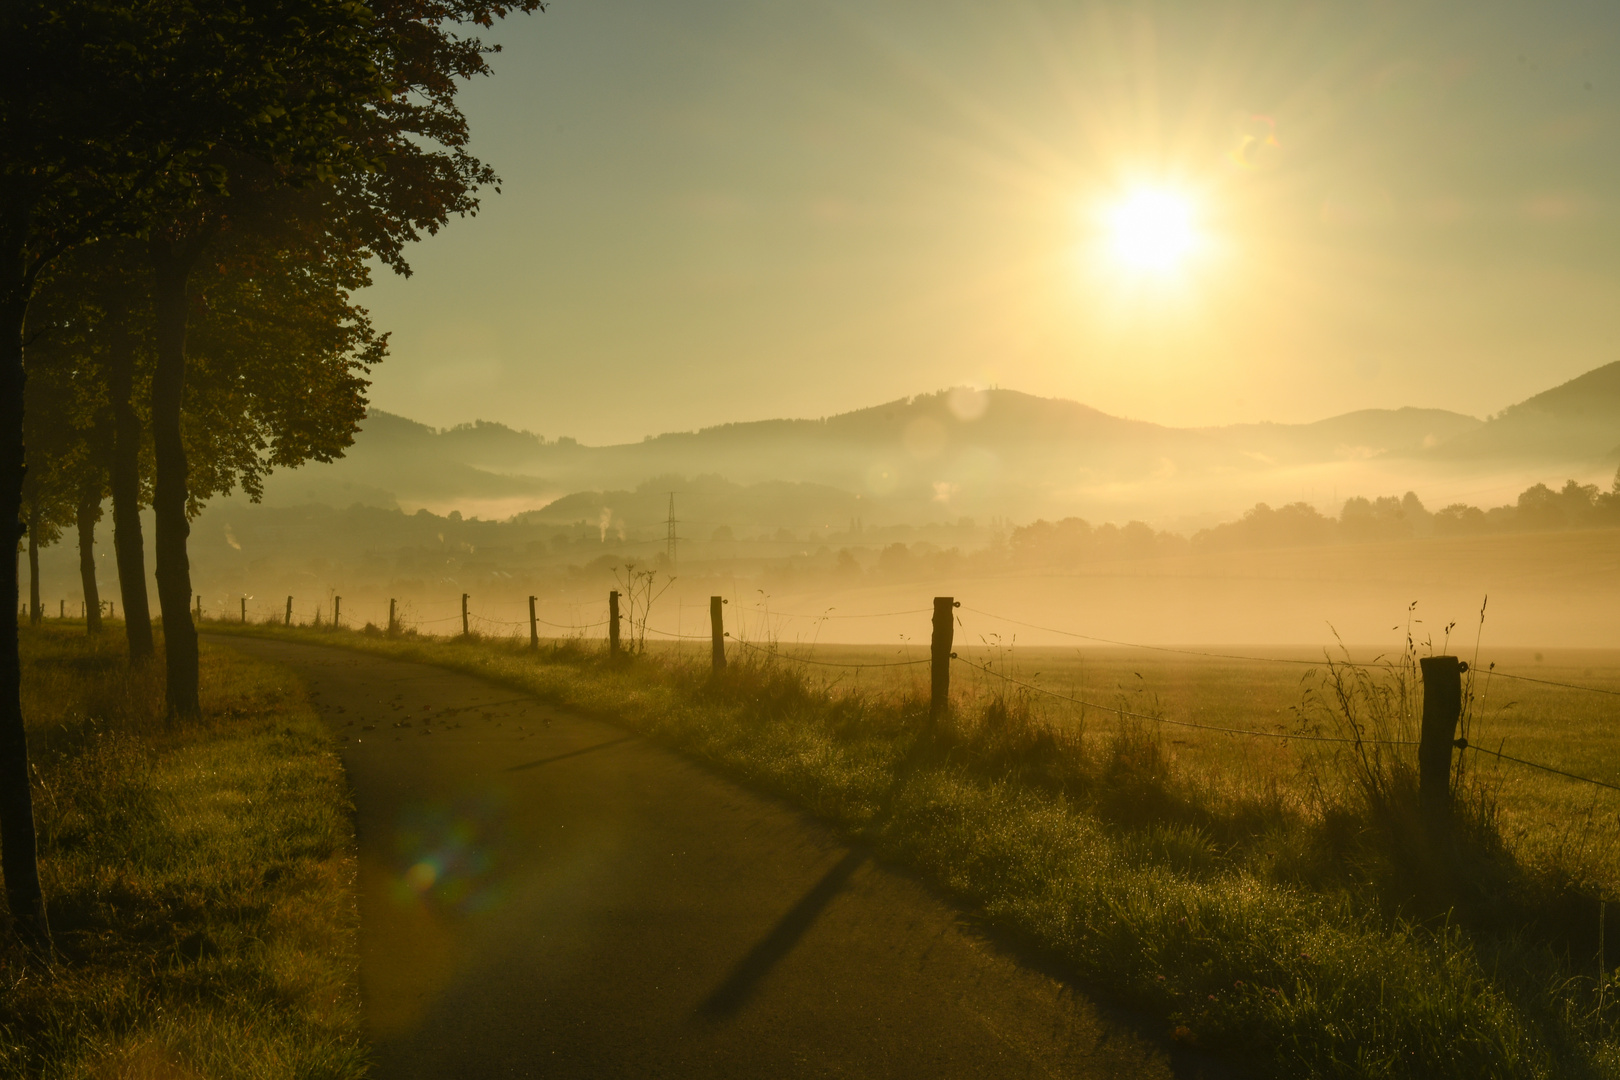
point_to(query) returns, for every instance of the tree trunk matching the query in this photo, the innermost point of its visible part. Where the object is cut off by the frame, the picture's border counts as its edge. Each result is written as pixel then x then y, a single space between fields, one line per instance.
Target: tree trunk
pixel 172 266
pixel 124 476
pixel 89 513
pixel 18 850
pixel 35 612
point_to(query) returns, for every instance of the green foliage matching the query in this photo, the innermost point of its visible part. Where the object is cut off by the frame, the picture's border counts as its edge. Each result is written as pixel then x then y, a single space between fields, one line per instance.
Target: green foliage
pixel 195 939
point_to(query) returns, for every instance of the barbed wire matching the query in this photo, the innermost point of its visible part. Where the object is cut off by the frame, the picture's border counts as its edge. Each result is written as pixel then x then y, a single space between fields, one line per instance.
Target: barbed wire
pixel 1539 765
pixel 1464 745
pixel 874 615
pixel 829 663
pixel 573 626
pixel 497 622
pixel 473 616
pixel 986 669
pixel 1139 645
pixel 668 634
pixel 1494 671
pixel 1120 711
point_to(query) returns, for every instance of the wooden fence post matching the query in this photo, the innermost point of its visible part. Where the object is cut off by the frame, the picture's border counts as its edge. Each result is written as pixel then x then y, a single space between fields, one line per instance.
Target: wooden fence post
pixel 1442 709
pixel 61 610
pixel 1603 953
pixel 534 627
pixel 199 607
pixel 287 621
pixel 112 610
pixel 337 610
pixel 717 634
pixel 613 624
pixel 944 634
pixel 393 620
pixel 463 614
pixel 244 611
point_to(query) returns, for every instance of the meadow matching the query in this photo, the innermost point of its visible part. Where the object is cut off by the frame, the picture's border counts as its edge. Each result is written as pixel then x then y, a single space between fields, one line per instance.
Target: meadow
pixel 199 875
pixel 1277 903
pixel 1546 819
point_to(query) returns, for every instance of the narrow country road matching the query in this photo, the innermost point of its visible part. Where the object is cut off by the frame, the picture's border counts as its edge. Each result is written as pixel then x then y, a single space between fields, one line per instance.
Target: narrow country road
pixel 543 895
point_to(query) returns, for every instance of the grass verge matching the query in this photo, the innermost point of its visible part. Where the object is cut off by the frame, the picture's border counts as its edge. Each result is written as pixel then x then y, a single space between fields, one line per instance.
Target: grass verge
pixel 1299 939
pixel 199 877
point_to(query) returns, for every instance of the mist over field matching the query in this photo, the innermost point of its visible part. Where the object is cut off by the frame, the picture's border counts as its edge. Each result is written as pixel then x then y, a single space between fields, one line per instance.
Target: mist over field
pixel 883 539
pixel 1036 511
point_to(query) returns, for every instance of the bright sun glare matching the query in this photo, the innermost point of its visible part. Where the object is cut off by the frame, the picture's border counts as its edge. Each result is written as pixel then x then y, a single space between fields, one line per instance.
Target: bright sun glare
pixel 1151 230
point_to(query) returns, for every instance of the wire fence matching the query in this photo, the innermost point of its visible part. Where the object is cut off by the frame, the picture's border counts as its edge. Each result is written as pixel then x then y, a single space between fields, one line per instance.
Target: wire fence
pixel 777 654
pixel 1493 672
pixel 1119 710
pixel 1138 645
pixel 768 613
pixel 1538 765
pixel 772 650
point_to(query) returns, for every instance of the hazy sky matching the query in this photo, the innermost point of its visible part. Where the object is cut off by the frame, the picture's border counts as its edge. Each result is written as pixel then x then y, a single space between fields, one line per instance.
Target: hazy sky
pixel 718 210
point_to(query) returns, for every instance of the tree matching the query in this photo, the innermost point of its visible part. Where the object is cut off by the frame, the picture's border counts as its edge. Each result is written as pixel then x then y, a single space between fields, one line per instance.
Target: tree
pixel 277 357
pixel 50 490
pixel 89 329
pixel 76 158
pixel 103 104
pixel 86 516
pixel 43 514
pixel 69 406
pixel 65 487
pixel 113 115
pixel 385 147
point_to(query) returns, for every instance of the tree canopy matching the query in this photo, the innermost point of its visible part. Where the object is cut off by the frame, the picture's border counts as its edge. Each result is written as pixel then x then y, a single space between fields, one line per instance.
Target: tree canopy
pixel 258 152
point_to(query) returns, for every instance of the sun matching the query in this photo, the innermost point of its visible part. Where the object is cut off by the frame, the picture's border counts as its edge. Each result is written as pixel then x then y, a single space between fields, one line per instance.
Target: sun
pixel 1151 230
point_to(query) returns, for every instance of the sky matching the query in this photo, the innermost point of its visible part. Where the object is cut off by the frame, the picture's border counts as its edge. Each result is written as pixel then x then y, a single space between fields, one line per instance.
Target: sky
pixel 722 210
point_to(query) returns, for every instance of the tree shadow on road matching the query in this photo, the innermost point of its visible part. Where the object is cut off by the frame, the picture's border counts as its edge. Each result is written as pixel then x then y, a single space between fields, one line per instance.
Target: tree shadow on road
pixel 738 987
pixel 733 993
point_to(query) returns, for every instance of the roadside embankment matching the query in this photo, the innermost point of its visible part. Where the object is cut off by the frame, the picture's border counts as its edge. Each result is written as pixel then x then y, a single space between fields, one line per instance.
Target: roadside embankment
pixel 199 876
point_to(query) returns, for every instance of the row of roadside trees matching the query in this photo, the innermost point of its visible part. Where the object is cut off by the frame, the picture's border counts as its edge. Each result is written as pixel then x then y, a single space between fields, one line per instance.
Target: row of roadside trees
pixel 191 192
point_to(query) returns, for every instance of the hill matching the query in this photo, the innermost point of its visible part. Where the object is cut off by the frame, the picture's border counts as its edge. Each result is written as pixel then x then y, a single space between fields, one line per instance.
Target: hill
pixel 965 452
pixel 1367 433
pixel 1578 421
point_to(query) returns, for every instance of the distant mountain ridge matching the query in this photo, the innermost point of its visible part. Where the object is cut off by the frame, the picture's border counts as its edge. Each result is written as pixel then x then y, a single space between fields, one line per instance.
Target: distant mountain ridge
pixel 1365 433
pixel 1575 421
pixel 938 455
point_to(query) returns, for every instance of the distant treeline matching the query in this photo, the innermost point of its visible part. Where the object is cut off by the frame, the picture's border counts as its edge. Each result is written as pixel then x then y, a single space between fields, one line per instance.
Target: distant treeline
pixel 1538 509
pixel 314 549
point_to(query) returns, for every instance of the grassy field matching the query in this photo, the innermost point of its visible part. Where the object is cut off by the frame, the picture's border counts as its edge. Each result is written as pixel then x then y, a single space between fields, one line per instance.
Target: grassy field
pixel 199 878
pixel 1268 901
pixel 1546 819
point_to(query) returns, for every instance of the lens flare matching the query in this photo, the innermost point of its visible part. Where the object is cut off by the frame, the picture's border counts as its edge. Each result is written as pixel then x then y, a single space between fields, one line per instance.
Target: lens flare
pixel 450 853
pixel 422 876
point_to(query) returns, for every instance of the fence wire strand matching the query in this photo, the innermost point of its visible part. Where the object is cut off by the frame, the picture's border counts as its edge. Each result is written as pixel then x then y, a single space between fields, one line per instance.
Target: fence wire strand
pixel 1117 711
pixel 682 637
pixel 1494 672
pixel 828 663
pixel 1490 672
pixel 875 615
pixel 1543 768
pixel 1139 645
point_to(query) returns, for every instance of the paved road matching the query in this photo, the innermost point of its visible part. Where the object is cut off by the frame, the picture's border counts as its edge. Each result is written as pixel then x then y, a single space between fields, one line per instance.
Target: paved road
pixel 545 895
